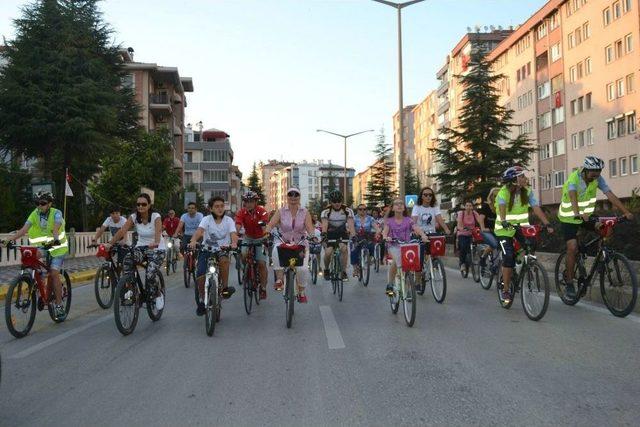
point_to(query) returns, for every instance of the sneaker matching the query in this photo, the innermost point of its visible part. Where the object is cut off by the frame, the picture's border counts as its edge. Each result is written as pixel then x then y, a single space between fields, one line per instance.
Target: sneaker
pixel 201 310
pixel 278 285
pixel 228 291
pixel 505 296
pixel 302 299
pixel 570 290
pixel 326 274
pixel 159 302
pixel 59 311
pixel 345 278
pixel 389 290
pixel 263 293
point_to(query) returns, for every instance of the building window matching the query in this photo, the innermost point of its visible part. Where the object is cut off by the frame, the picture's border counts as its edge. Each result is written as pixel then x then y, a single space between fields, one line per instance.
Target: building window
pixel 571 40
pixel 545 151
pixel 630 81
pixel 544 121
pixel 587 66
pixel 611 129
pixel 617 10
pixel 580 71
pixel 554 22
pixel 631 122
pixel 620 88
pixel 188 156
pixel 556 52
pixel 626 6
pixel 606 16
pixel 608 54
pixel 558 179
pixel 545 182
pixel 587 101
pixel 221 175
pixel 613 167
pixel 129 81
pixel 574 141
pixel 215 156
pixel 542 30
pixel 558 115
pixel 573 75
pixel 618 48
pixel 586 30
pixel 588 136
pixel 544 91
pixel 633 164
pixel 623 166
pixel 574 109
pixel 622 126
pixel 188 177
pixel 628 43
pixel 611 92
pixel 558 147
pixel 578 34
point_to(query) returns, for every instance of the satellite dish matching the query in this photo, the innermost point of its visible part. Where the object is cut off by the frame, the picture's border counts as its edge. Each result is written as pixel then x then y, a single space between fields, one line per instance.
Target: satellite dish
pixel 492 27
pixel 500 27
pixel 477 28
pixel 468 29
pixel 486 28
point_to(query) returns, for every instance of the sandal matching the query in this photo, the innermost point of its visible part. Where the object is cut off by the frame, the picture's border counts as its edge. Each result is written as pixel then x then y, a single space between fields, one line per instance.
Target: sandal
pixel 278 285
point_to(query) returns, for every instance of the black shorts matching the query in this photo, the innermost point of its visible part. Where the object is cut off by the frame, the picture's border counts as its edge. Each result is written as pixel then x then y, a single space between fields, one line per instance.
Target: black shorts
pixel 570 231
pixel 338 234
pixel 505 245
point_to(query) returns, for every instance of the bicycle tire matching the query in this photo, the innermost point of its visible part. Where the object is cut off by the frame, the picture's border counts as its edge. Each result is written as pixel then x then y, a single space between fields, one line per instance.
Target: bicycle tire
pixel 394 300
pixel 619 262
pixel 217 307
pixel 409 300
pixel 376 258
pixel 126 284
pixel 290 299
pixel 534 270
pixel 167 264
pixel 439 291
pixel 66 299
pixel 247 290
pixel 486 276
pixel 238 260
pixel 209 315
pixel 21 285
pixel 499 286
pixel 314 270
pixel 366 269
pixel 100 290
pixel 580 274
pixel 186 270
pixel 154 313
pixel 464 272
pixel 475 265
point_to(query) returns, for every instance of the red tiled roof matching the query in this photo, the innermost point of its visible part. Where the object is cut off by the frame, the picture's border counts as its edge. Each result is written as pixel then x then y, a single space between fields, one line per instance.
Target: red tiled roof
pixel 214 134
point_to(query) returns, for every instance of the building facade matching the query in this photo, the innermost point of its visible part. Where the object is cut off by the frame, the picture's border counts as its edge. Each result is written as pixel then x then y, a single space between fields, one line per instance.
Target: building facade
pixel 425 125
pixel 407 139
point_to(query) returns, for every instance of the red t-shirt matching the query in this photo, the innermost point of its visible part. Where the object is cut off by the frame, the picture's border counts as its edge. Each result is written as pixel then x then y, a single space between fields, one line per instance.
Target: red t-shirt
pixel 171 224
pixel 249 220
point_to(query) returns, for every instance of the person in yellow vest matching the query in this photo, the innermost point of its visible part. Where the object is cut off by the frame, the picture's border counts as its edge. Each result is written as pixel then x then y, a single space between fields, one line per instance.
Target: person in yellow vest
pixel 577 205
pixel 512 205
pixel 45 226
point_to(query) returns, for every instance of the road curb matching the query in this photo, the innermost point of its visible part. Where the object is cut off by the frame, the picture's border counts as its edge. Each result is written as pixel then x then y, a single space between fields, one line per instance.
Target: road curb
pixel 76 278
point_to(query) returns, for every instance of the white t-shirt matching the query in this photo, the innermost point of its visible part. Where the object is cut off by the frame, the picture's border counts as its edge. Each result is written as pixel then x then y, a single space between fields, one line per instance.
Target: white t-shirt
pixel 114 227
pixel 426 217
pixel 217 235
pixel 146 232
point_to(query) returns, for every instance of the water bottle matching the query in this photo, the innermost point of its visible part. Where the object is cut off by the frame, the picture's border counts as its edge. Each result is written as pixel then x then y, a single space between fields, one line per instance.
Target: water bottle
pixel 518 265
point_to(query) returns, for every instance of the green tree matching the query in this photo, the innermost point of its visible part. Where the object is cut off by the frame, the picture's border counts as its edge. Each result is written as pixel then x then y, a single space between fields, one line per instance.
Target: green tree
pixel 380 186
pixel 16 202
pixel 60 94
pixel 253 184
pixel 474 155
pixel 331 180
pixel 147 162
pixel 315 206
pixel 411 180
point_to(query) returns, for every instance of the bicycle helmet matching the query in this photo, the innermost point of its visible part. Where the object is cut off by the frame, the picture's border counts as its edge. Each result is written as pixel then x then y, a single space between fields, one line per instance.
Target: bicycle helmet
pixel 335 196
pixel 250 195
pixel 44 195
pixel 593 163
pixel 512 173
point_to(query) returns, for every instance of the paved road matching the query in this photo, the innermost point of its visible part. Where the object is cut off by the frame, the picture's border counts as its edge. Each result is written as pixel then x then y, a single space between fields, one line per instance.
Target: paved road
pixel 343 363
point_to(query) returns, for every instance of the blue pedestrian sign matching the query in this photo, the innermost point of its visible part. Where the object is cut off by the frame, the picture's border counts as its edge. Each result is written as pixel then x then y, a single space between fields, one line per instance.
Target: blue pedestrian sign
pixel 410 200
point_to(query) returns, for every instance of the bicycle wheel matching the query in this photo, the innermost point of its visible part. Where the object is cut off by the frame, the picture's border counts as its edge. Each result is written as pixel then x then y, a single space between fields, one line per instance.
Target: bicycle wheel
pixel 314 269
pixel 499 286
pixel 580 273
pixel 186 270
pixel 438 281
pixel 365 266
pixel 66 299
pixel 290 298
pixel 238 259
pixel 619 285
pixel 209 314
pixel 247 289
pixel 534 287
pixel 20 306
pixel 104 286
pixel 475 265
pixel 126 305
pixel 376 258
pixel 167 264
pixel 486 276
pixel 409 299
pixel 467 262
pixel 422 278
pixel 394 300
pixel 154 292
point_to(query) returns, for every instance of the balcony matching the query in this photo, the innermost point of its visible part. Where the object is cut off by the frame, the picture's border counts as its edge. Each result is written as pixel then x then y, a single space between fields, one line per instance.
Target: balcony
pixel 443 88
pixel 191 166
pixel 443 107
pixel 160 103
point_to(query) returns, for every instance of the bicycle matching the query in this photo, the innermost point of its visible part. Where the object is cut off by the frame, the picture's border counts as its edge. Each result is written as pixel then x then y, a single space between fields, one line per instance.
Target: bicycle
pixel 212 288
pixel 251 276
pixel 28 290
pixel 335 267
pixel 291 256
pixel 172 255
pixel 377 256
pixel 189 267
pixel 364 261
pixel 314 251
pixel 468 260
pixel 433 271
pixel 404 287
pixel 238 263
pixel 107 275
pixel 620 291
pixel 535 292
pixel 131 293
pixel 489 269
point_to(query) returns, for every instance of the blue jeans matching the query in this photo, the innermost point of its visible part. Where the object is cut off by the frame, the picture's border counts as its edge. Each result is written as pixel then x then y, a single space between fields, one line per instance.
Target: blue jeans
pixel 355 253
pixel 490 239
pixel 464 245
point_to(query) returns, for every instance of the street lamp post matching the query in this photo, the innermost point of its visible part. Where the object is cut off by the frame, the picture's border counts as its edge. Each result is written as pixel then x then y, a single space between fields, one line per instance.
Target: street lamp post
pixel 399 7
pixel 345 137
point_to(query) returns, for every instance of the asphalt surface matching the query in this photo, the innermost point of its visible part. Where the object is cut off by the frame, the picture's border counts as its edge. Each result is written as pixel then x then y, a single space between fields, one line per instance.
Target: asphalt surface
pixel 465 362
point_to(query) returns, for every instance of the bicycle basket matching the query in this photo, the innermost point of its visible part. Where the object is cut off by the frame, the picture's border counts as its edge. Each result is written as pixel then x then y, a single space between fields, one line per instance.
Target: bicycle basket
pixel 288 252
pixel 29 256
pixel 102 252
pixel 437 246
pixel 606 226
pixel 477 235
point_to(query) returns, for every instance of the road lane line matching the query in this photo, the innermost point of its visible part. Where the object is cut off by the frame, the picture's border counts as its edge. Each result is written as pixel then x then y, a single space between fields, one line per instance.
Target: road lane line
pixel 331 329
pixel 54 340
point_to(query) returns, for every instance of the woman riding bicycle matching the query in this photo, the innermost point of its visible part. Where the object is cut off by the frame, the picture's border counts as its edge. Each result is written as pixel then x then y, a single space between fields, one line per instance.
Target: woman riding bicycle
pixel 398 226
pixel 426 213
pixel 467 221
pixel 364 225
pixel 512 204
pixel 487 211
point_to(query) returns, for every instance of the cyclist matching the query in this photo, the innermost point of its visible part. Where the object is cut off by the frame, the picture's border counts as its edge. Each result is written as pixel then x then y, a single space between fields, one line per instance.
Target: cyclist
pixel 426 213
pixel 293 221
pixel 486 209
pixel 578 203
pixel 217 230
pixel 189 223
pixel 45 225
pixel 365 227
pixel 253 218
pixel 337 223
pixel 113 223
pixel 399 226
pixel 512 204
pixel 467 220
pixel 170 223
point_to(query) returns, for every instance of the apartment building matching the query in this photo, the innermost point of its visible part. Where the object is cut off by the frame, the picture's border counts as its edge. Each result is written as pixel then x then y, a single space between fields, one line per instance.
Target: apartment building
pixel 407 138
pixel 265 172
pixel 425 137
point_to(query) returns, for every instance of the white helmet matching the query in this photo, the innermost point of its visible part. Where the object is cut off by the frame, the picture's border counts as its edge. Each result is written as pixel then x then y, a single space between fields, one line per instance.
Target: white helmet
pixel 593 163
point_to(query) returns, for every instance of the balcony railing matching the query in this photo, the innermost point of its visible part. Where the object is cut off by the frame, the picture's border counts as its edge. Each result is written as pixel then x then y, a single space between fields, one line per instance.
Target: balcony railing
pixel 159 98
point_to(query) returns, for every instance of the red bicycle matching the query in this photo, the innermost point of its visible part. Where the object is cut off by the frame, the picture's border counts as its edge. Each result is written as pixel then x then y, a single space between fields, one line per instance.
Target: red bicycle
pixel 29 290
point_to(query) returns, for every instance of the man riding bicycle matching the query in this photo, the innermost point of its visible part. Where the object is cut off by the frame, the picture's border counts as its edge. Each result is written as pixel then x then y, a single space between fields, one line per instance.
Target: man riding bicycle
pixel 366 228
pixel 253 218
pixel 578 203
pixel 189 221
pixel 113 223
pixel 337 223
pixel 44 226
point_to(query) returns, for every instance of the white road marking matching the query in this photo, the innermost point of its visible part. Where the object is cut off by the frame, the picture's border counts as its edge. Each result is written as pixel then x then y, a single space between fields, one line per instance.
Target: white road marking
pixel 331 329
pixel 54 340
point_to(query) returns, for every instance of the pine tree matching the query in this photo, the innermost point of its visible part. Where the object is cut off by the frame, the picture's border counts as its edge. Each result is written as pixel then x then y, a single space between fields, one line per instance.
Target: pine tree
pixel 253 184
pixel 380 186
pixel 411 181
pixel 474 155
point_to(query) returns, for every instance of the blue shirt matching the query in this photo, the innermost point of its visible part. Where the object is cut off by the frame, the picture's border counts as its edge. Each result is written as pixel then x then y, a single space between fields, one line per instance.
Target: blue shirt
pixel 57 219
pixel 191 223
pixel 602 185
pixel 366 224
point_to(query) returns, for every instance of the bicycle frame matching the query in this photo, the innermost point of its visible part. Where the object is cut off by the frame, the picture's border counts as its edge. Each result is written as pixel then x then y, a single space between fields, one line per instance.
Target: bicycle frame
pixel 31 264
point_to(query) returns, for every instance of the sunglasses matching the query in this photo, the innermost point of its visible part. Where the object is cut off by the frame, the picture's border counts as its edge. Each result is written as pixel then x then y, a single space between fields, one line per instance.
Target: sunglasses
pixel 43 203
pixel 427 194
pixel 293 194
pixel 141 205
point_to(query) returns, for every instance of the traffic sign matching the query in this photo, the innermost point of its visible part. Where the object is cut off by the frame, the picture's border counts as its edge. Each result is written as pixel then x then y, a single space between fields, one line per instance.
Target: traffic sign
pixel 410 200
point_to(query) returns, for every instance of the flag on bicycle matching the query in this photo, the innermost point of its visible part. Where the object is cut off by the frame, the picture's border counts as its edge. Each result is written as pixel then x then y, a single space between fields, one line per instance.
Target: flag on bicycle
pixel 410 256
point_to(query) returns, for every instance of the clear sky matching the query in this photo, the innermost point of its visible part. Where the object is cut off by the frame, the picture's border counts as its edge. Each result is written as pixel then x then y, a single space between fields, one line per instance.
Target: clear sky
pixel 271 72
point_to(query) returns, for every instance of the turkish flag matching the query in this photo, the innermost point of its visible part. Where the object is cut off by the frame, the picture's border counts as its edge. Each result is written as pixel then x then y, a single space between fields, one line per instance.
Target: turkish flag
pixel 558 100
pixel 410 255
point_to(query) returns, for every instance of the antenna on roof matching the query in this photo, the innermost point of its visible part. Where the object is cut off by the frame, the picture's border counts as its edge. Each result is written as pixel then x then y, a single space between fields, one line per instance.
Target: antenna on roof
pixel 486 28
pixel 492 27
pixel 468 29
pixel 477 28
